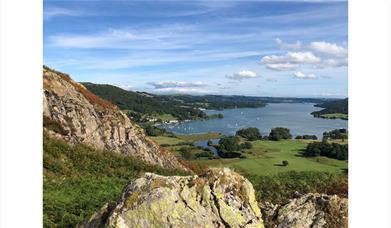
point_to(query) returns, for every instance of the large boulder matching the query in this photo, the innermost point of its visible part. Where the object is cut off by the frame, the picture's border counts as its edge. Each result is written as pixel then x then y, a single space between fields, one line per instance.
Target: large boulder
pixel 219 198
pixel 312 210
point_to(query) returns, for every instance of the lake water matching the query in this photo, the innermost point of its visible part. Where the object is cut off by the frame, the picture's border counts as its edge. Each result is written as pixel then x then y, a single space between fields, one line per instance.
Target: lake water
pixel 204 144
pixel 295 116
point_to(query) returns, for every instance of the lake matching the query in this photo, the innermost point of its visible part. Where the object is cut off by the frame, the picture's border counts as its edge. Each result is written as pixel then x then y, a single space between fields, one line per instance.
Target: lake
pixel 295 116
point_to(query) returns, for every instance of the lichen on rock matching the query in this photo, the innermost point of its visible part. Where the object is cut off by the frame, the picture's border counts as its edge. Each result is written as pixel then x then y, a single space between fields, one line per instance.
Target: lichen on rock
pixel 208 200
pixel 312 210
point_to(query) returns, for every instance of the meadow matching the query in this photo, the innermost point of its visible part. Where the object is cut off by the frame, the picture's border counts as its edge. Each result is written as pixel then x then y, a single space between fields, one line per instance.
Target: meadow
pixel 264 158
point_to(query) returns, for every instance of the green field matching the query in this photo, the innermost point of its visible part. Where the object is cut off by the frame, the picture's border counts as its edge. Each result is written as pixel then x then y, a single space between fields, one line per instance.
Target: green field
pixel 174 144
pixel 265 158
pixel 334 116
pixel 185 138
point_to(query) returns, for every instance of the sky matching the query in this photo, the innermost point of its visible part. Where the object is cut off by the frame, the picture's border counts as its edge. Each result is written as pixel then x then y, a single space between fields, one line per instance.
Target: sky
pixel 256 48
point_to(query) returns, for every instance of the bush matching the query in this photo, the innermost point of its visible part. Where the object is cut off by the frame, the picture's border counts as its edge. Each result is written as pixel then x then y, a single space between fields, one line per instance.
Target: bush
pixel 285 163
pixel 333 150
pixel 280 133
pixel 336 134
pixel 229 144
pixel 313 137
pixel 251 133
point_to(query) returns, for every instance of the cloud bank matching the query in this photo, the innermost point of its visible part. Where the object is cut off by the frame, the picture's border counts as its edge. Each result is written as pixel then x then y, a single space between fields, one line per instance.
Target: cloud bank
pixel 318 54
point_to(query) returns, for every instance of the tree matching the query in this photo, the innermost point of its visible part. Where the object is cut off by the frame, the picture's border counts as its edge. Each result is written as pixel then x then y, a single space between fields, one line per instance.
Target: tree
pixel 228 147
pixel 285 163
pixel 229 144
pixel 334 150
pixel 280 133
pixel 336 134
pixel 251 133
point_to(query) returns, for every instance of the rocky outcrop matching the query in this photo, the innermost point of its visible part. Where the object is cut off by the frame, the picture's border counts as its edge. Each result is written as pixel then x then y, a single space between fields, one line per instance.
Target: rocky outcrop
pixel 219 198
pixel 73 113
pixel 308 211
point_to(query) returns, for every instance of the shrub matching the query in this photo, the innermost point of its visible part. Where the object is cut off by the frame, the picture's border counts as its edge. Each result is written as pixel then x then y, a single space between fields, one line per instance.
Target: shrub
pixel 229 144
pixel 251 133
pixel 313 137
pixel 333 150
pixel 336 134
pixel 279 133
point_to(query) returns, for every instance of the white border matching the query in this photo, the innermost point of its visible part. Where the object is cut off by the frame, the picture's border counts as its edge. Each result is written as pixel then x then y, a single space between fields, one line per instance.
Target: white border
pixel 369 113
pixel 21 115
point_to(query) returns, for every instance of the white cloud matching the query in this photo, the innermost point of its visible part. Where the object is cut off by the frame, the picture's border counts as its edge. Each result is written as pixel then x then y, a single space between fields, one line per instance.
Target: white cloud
pixel 294 46
pixel 282 66
pixel 319 54
pixel 328 48
pixel 291 57
pixel 336 62
pixel 300 75
pixel 289 61
pixel 244 74
pixel 174 84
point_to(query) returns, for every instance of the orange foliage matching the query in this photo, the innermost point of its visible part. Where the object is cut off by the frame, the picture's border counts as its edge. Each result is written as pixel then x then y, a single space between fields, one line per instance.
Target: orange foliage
pixel 94 99
pixel 340 188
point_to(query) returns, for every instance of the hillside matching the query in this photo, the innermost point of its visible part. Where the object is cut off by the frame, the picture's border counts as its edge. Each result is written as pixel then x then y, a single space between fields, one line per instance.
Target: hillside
pixel 76 115
pixel 333 109
pixel 144 105
pixel 78 180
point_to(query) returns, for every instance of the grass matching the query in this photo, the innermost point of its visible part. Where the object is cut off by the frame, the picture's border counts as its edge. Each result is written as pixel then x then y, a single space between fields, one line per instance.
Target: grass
pixel 334 116
pixel 198 137
pixel 174 144
pixel 265 158
pixel 78 180
pixel 166 140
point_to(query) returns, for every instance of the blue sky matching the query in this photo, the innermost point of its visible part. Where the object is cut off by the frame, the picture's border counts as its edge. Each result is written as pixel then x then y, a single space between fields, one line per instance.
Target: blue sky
pixel 261 48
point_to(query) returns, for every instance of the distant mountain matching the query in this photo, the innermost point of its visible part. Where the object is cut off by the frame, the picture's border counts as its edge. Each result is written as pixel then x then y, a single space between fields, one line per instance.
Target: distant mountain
pixel 143 106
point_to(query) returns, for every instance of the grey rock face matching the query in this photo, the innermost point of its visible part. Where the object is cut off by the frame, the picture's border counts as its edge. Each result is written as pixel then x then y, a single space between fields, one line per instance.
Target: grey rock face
pixel 309 211
pixel 220 198
pixel 88 119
